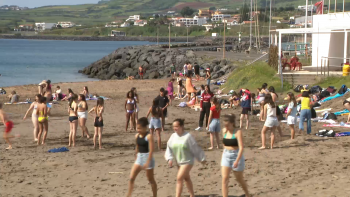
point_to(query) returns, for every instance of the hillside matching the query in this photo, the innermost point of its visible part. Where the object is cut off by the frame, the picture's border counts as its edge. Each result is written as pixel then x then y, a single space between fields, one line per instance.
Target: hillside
pixel 91 14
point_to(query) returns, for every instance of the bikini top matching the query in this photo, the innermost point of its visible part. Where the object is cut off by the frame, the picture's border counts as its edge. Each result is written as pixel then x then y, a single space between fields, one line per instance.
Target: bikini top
pixel 233 142
pixel 80 105
pixel 130 102
pixel 35 106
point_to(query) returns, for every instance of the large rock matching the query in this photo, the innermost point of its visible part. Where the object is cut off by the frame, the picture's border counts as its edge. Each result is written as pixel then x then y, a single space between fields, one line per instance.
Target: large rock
pixel 127 71
pixel 190 54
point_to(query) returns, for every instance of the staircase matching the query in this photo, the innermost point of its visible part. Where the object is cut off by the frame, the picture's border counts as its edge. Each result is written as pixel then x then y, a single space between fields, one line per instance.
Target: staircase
pixel 301 79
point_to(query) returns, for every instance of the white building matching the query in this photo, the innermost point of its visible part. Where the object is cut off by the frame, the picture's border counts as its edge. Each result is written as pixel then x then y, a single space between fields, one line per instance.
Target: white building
pixel 140 23
pixel 310 7
pixel 44 26
pixel 191 21
pixel 133 18
pixel 330 39
pixel 66 24
pixel 219 17
pixel 125 24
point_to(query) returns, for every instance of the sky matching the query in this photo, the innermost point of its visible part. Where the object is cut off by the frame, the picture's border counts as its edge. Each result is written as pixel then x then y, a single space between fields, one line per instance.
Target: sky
pixel 39 3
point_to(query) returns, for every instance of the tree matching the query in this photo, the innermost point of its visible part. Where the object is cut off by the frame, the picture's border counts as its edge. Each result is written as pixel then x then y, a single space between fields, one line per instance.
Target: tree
pixel 212 8
pixel 187 11
pixel 245 13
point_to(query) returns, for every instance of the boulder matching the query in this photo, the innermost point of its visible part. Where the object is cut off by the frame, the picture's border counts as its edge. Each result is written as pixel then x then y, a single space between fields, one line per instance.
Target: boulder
pixel 154 75
pixel 216 68
pixel 190 54
pixel 127 71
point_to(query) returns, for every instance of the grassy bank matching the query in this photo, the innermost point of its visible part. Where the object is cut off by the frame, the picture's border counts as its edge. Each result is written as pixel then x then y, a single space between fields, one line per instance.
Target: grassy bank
pixel 253 76
pixel 337 82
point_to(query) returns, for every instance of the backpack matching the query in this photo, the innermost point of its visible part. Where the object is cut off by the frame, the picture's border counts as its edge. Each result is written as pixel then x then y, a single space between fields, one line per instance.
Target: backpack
pixel 313 113
pixel 343 89
pixel 326 133
pixel 330 116
pixel 315 89
pixel 298 88
pixel 325 94
pixel 331 90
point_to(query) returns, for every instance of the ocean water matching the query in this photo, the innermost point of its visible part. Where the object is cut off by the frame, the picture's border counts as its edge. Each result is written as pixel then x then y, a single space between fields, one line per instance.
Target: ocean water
pixel 31 61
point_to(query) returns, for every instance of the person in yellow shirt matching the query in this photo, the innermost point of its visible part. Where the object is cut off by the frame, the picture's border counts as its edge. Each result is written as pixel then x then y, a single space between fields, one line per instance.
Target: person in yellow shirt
pixel 305 112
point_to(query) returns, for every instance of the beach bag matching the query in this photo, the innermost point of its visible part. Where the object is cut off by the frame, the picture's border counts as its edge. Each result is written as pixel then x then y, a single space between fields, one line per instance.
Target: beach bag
pixel 317 104
pixel 330 116
pixel 315 89
pixel 331 89
pixel 279 113
pixel 313 113
pixel 298 88
pixel 343 89
pixel 326 133
pixel 324 94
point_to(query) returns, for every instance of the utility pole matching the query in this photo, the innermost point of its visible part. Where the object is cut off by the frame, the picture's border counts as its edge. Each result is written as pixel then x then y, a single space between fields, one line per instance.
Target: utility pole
pixel 157 35
pixel 270 23
pixel 223 48
pixel 251 14
pixel 187 35
pixel 306 10
pixel 169 35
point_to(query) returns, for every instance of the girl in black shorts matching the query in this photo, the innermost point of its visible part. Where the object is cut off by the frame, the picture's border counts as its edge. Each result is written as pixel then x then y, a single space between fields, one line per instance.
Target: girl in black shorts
pixel 98 109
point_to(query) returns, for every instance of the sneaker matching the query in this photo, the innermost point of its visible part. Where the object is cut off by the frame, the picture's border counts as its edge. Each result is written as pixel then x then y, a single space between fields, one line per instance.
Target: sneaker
pixel 198 129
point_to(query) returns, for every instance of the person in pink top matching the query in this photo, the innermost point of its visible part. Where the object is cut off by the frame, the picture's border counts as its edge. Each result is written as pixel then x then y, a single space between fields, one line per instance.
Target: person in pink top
pixel 205 107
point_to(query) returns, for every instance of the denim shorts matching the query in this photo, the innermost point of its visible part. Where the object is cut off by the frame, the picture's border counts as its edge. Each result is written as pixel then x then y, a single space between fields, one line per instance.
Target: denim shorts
pixel 214 125
pixel 271 122
pixel 155 123
pixel 142 159
pixel 229 157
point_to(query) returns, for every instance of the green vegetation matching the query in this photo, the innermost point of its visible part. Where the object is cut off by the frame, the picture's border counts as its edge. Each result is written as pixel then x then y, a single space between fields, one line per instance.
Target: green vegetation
pixel 253 76
pixel 337 82
pixel 187 11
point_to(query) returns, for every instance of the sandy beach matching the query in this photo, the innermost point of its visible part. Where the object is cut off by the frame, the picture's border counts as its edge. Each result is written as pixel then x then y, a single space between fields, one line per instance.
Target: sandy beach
pixel 306 166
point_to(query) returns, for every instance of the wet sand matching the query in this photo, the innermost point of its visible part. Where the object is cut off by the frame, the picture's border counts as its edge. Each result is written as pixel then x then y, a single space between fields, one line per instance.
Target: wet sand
pixel 306 166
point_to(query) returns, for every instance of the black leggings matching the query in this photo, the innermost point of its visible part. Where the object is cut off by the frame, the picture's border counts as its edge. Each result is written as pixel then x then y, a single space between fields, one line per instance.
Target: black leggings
pixel 205 111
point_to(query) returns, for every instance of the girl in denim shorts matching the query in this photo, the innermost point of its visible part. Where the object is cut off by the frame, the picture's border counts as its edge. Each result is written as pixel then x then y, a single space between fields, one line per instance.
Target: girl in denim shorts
pixel 156 123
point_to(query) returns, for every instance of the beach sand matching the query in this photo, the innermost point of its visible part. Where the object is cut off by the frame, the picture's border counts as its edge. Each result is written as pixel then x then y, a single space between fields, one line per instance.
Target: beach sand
pixel 306 166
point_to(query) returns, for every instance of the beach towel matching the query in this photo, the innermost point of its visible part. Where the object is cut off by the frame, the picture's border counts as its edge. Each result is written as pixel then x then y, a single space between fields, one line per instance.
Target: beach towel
pixel 341 112
pixel 335 96
pixel 337 125
pixel 182 104
pixel 58 150
pixel 18 103
pixel 95 98
pixel 342 134
pixel 323 110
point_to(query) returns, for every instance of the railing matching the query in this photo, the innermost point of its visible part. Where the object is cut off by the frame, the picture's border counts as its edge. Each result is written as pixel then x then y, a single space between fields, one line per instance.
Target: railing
pixel 325 65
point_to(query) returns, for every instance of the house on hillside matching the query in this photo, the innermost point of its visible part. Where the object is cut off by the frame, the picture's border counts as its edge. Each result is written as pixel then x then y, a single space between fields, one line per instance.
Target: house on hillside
pixel 115 33
pixel 248 22
pixel 125 24
pixel 66 24
pixel 44 26
pixel 205 13
pixel 140 23
pixel 301 21
pixel 219 17
pixel 171 13
pixel 133 18
pixel 199 21
pixel 26 27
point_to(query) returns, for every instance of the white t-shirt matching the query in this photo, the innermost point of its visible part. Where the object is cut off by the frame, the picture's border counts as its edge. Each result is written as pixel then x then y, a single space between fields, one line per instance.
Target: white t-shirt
pixel 59 91
pixel 185 67
pixel 294 109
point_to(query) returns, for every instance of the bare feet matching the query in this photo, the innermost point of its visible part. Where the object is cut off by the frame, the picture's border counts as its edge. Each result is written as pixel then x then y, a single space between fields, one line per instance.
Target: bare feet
pixel 261 148
pixel 210 148
pixel 69 145
pixel 36 139
pixel 9 148
pixel 101 147
pixel 218 147
pixel 88 137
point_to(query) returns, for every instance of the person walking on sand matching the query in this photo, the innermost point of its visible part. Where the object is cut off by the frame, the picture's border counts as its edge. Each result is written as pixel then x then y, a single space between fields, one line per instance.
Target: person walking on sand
pixel 185 69
pixel 156 123
pixel 232 157
pixel 43 120
pixel 305 111
pixel 246 107
pixel 83 115
pixel 214 123
pixel 163 104
pixel 130 107
pixel 172 71
pixel 170 90
pixel 189 87
pixel 141 72
pixel 98 123
pixel 137 99
pixel 143 157
pixel 73 119
pixel 291 113
pixel 8 127
pixel 183 149
pixel 278 110
pixel 208 76
pixel 205 107
pixel 270 115
pixel 34 107
pixel 189 69
pixel 196 71
pixel 262 92
pixel 179 85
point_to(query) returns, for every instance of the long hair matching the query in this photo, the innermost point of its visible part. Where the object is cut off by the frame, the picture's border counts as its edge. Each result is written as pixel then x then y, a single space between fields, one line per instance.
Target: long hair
pixel 39 97
pixel 70 91
pixel 272 89
pixel 83 98
pixel 133 89
pixel 292 98
pixel 253 97
pixel 180 83
pixel 264 86
pixel 231 118
pixel 217 104
pixel 87 89
pixel 155 107
pixel 209 92
pixel 132 95
pixel 73 98
pixel 268 100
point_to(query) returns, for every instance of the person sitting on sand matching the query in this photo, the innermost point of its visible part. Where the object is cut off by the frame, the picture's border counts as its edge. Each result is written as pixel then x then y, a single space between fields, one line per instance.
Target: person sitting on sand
pixel 131 78
pixel 291 113
pixel 98 123
pixel 83 114
pixel 8 127
pixel 86 92
pixel 232 157
pixel 69 95
pixel 346 104
pixel 73 119
pixel 58 93
pixel 170 90
pixel 234 99
pixel 191 103
pixel 156 120
pixel 270 115
pixel 183 149
pixel 130 107
pixel 43 120
pixel 214 123
pixel 34 107
pixel 14 98
pixel 143 157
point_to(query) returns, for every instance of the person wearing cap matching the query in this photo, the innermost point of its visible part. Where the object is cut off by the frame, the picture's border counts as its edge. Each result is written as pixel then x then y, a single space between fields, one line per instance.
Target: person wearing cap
pixel 208 76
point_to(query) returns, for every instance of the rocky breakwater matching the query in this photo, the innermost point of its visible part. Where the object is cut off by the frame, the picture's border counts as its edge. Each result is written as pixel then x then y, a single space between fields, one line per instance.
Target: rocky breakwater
pixel 155 60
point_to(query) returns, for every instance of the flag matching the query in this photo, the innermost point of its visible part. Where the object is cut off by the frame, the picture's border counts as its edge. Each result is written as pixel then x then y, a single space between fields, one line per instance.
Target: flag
pixel 319 6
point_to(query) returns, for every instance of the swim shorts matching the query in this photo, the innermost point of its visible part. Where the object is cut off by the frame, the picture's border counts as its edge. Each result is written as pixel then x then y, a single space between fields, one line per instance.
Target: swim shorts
pixel 9 126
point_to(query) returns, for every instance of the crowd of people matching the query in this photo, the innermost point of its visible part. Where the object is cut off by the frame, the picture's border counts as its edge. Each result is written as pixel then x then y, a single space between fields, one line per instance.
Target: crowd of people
pixel 181 148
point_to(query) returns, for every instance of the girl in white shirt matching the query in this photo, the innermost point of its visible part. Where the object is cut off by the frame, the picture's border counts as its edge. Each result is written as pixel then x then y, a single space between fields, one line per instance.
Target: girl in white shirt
pixel 292 113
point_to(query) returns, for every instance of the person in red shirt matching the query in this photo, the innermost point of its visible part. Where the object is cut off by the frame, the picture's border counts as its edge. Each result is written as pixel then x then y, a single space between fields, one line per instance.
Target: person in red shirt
pixel 8 127
pixel 205 106
pixel 214 123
